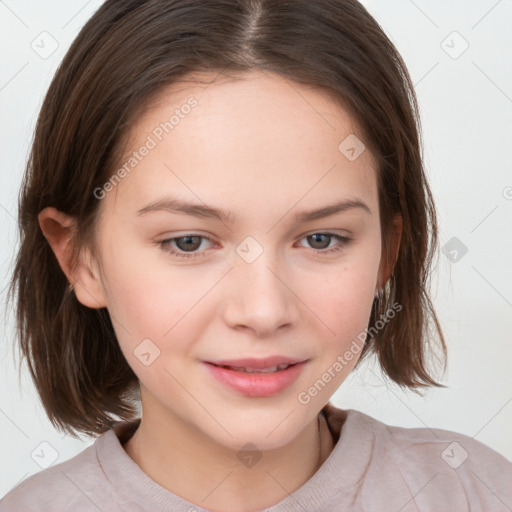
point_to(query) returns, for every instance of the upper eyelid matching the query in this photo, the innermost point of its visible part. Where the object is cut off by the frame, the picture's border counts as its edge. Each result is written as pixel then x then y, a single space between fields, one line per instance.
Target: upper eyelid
pixel 344 233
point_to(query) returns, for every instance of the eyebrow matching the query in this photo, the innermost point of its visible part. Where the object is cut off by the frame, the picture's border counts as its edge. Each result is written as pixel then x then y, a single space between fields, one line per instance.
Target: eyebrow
pixel 173 205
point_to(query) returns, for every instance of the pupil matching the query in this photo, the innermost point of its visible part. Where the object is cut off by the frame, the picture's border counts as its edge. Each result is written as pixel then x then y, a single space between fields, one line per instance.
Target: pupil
pixel 189 240
pixel 315 240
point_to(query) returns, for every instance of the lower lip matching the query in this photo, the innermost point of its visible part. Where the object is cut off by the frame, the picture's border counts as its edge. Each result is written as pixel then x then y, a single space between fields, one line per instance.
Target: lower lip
pixel 257 384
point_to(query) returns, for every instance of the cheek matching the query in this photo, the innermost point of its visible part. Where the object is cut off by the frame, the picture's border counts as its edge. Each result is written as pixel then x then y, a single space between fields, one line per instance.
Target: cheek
pixel 343 311
pixel 161 316
pixel 342 295
pixel 148 300
pixel 342 303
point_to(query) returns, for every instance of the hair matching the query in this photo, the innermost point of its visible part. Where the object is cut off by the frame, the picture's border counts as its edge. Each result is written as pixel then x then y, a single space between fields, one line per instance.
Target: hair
pixel 125 55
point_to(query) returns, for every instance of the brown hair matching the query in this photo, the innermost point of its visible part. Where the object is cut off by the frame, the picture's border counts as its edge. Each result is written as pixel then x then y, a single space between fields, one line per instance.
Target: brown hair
pixel 124 55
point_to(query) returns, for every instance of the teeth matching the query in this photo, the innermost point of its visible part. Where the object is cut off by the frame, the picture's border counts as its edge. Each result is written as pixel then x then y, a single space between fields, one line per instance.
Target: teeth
pixel 272 369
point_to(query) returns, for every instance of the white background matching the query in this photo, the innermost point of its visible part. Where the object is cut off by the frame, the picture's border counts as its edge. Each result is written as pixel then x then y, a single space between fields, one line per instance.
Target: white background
pixel 466 107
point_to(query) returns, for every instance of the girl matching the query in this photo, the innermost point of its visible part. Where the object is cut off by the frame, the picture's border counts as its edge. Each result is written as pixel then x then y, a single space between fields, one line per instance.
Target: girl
pixel 279 141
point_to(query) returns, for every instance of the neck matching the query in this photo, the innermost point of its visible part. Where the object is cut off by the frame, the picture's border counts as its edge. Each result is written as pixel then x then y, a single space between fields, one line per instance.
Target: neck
pixel 193 466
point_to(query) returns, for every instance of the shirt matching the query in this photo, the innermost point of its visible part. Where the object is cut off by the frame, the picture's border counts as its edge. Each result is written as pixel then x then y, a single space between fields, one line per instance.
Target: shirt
pixel 373 467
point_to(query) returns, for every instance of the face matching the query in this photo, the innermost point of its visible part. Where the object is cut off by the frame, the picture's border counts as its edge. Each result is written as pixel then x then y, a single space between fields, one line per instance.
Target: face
pixel 246 273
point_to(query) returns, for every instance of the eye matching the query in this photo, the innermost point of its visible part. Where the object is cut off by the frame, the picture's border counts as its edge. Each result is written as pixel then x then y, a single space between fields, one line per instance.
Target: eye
pixel 187 245
pixel 318 241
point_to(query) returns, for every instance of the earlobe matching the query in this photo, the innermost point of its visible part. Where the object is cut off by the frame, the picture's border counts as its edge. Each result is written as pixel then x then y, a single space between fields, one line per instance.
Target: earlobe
pixel 59 230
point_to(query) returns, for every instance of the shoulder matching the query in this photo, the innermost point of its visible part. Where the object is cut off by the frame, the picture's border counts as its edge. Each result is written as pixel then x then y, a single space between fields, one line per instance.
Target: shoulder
pixel 434 445
pixel 439 465
pixel 68 486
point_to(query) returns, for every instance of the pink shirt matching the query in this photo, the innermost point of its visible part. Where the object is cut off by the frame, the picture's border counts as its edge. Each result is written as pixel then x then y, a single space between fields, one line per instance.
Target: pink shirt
pixel 373 468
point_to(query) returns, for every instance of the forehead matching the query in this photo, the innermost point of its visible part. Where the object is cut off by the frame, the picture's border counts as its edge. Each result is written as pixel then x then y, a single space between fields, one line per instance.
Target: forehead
pixel 255 96
pixel 238 137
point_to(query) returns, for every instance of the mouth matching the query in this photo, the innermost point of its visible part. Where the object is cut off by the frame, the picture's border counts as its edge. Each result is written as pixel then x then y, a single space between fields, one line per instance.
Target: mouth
pixel 248 369
pixel 267 364
pixel 256 380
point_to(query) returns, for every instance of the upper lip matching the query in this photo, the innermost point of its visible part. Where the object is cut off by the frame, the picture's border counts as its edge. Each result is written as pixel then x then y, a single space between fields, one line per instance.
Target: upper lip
pixel 257 364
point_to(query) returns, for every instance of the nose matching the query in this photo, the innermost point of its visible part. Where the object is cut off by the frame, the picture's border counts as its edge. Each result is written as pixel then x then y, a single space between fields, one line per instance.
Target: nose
pixel 260 296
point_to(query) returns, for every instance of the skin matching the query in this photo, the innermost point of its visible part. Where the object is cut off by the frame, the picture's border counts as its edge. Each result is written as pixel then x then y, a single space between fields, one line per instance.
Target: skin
pixel 265 150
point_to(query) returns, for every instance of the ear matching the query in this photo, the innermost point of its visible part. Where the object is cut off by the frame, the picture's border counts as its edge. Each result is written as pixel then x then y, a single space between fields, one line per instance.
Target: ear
pixel 387 262
pixel 59 229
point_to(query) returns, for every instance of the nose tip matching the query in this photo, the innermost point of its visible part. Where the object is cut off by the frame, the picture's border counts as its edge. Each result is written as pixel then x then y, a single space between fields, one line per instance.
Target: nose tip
pixel 261 301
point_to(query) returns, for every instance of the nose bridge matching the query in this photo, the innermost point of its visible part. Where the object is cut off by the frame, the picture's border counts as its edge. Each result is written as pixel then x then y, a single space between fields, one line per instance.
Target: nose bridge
pixel 260 299
pixel 255 265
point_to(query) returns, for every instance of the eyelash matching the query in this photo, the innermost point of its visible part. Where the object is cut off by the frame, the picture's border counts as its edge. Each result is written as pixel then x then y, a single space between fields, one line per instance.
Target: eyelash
pixel 342 242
